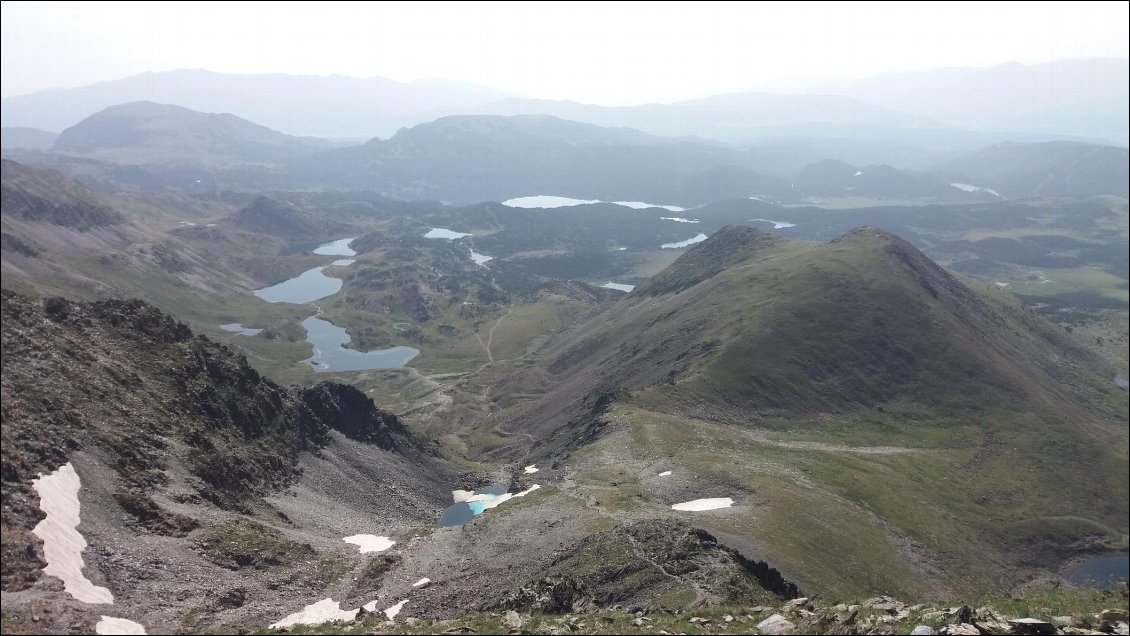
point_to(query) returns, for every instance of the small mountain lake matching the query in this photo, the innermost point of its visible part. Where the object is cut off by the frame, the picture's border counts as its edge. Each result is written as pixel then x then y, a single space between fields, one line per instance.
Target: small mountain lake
pixel 444 233
pixel 777 225
pixel 461 512
pixel 546 201
pixel 469 505
pixel 687 243
pixel 339 247
pixel 307 287
pixel 328 339
pixel 1099 571
pixel 330 353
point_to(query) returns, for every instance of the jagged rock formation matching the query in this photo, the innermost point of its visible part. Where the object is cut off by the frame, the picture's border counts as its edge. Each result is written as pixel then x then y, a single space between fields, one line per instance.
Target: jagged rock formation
pixel 126 383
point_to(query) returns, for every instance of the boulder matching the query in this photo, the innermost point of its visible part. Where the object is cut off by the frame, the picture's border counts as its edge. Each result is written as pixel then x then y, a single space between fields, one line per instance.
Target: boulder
pixel 1031 626
pixel 989 623
pixel 884 604
pixel 1065 621
pixel 776 624
pixel 922 630
pixel 1112 616
pixel 512 619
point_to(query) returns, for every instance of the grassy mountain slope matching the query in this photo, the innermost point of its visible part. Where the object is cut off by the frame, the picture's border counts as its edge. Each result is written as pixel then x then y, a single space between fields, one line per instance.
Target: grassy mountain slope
pixel 149 133
pixel 880 424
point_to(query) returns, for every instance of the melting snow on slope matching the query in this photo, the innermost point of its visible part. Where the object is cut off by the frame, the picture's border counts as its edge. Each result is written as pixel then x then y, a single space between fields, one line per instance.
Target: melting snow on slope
pixel 62 542
pixel 618 286
pixel 390 612
pixel 531 469
pixel 698 505
pixel 323 611
pixel 121 626
pixel 488 501
pixel 370 542
pixel 969 187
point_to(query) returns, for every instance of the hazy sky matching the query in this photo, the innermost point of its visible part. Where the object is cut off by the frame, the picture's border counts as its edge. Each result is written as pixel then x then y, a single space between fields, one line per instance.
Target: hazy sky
pixel 599 53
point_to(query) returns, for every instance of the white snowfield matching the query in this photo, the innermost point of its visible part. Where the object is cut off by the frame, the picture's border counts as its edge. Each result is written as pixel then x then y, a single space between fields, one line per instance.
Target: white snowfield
pixel 370 542
pixel 110 626
pixel 62 542
pixel 323 611
pixel 698 505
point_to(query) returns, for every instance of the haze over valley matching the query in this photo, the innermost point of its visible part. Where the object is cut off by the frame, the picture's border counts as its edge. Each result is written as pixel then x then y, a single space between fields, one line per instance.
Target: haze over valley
pixel 822 333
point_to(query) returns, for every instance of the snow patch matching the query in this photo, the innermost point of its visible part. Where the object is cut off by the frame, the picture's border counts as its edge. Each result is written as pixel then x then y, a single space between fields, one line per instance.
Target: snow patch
pixel 665 473
pixel 390 612
pixel 370 542
pixel 422 582
pixel 618 286
pixel 698 505
pixel 62 542
pixel 489 501
pixel 969 187
pixel 323 611
pixel 531 469
pixel 110 625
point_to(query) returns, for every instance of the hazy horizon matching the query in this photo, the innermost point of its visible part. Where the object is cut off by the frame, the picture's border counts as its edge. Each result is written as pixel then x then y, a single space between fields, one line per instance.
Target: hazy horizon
pixel 596 54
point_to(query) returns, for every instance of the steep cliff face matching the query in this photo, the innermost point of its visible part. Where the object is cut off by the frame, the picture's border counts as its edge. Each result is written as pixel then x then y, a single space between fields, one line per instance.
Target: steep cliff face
pixel 121 382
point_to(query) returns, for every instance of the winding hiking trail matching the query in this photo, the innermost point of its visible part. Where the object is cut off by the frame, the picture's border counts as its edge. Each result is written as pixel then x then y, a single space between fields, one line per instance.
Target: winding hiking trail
pixel 761 438
pixel 490 339
pixel 699 597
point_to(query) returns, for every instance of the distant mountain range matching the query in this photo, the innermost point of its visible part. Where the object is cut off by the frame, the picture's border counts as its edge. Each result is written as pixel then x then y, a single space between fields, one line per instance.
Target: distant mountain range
pixel 471 158
pixel 1084 98
pixel 333 106
pixel 955 109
